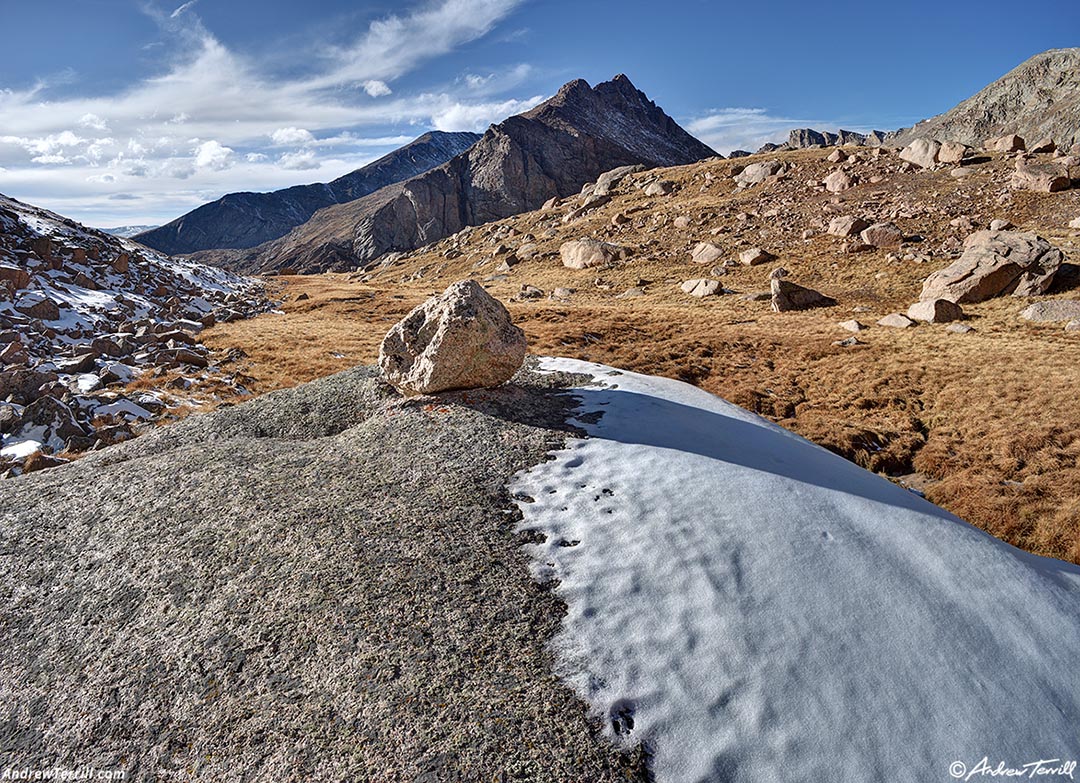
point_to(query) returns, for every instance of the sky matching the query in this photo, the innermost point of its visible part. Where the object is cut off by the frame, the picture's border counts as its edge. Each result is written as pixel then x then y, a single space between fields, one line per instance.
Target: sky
pixel 133 112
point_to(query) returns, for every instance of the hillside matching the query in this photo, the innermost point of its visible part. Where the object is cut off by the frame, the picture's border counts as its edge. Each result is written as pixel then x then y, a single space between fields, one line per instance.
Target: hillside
pixel 99 336
pixel 243 220
pixel 548 152
pixel 343 571
pixel 1038 99
pixel 991 440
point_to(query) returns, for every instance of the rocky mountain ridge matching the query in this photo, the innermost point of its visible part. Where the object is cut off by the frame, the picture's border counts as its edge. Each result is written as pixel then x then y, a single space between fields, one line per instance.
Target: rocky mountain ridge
pixel 243 220
pixel 548 152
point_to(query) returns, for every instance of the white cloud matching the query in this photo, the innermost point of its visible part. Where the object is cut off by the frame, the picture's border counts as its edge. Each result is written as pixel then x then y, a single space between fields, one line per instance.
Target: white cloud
pixel 298 161
pixel 182 8
pixel 52 158
pixel 376 88
pixel 212 155
pixel 746 128
pixel 255 157
pixel 456 116
pixel 285 137
pixel 92 121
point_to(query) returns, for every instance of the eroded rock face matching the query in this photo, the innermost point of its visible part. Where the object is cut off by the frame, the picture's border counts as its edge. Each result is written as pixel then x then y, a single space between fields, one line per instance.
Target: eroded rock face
pixel 995 263
pixel 461 339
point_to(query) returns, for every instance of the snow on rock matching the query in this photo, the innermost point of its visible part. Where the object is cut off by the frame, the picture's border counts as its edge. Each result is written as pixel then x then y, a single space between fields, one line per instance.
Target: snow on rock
pixel 754 607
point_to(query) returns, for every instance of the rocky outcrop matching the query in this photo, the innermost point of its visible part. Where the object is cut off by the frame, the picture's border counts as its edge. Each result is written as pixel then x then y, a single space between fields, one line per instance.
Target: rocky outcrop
pixel 244 220
pixel 518 165
pixel 995 263
pixel 462 339
pixel 805 138
pixel 1038 99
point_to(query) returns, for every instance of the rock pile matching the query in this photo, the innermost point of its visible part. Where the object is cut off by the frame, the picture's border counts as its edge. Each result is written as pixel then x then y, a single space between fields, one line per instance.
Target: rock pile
pixel 82 315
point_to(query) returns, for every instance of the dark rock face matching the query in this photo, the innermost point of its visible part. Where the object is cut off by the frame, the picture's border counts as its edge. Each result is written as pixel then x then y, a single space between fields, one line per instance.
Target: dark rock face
pixel 243 220
pixel 519 164
pixel 1038 99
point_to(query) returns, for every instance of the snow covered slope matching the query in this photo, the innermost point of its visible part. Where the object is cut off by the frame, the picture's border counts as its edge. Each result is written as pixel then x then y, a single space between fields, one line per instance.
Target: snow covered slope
pixel 755 608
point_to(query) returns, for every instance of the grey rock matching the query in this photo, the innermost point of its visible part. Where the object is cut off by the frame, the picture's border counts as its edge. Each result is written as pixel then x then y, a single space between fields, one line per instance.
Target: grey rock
pixel 896 321
pixel 935 311
pixel 995 263
pixel 1052 310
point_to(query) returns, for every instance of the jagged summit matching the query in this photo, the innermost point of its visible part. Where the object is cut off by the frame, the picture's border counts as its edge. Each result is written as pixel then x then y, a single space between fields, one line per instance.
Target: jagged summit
pixel 243 220
pixel 1039 98
pixel 548 151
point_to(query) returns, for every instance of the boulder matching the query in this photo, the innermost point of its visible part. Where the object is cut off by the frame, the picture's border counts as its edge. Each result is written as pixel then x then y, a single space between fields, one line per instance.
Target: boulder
pixel 851 326
pixel 882 235
pixel 839 181
pixel 922 152
pixel 461 339
pixel 995 263
pixel 19 278
pixel 23 385
pixel 37 305
pixel 1044 145
pixel 952 152
pixel 1040 177
pixel 755 256
pixel 999 224
pixel 702 287
pixel 791 296
pixel 706 253
pixel 756 173
pixel 49 422
pixel 1007 143
pixel 1052 310
pixel 847 226
pixel 586 253
pixel 661 187
pixel 896 321
pixel 935 311
pixel 607 181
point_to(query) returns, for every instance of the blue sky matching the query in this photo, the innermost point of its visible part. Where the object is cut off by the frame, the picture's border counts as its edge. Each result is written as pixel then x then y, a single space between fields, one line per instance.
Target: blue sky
pixel 135 111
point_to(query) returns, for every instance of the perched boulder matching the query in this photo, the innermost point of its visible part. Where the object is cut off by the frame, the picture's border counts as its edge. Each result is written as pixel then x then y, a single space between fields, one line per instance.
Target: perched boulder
pixel 922 152
pixel 1053 310
pixel 461 339
pixel 995 263
pixel 896 321
pixel 791 296
pixel 1040 177
pixel 706 253
pixel 585 253
pixel 702 287
pixel 757 173
pixel 847 226
pixel 883 235
pixel 755 256
pixel 935 311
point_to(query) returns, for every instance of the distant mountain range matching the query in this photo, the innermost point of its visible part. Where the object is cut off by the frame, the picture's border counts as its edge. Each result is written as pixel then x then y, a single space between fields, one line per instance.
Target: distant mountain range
pixel 549 151
pixel 127 232
pixel 243 220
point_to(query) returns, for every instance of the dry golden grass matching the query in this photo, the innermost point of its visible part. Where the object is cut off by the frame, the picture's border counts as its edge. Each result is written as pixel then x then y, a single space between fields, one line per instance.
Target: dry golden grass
pixel 988 420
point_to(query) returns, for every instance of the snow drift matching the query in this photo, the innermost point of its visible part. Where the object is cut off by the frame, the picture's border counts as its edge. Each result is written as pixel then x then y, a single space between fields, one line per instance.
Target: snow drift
pixel 756 608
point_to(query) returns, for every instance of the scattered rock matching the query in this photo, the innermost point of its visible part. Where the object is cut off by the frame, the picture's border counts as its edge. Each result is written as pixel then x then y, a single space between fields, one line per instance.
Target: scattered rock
pixel 461 339
pixel 897 321
pixel 788 296
pixel 755 256
pixel 1043 146
pixel 702 287
pixel 995 263
pixel 935 311
pixel 959 328
pixel 883 235
pixel 839 181
pixel 1000 225
pixel 661 187
pixel 706 253
pixel 847 226
pixel 586 253
pixel 756 173
pixel 1007 143
pixel 1040 177
pixel 1073 326
pixel 851 326
pixel 1052 310
pixel 952 152
pixel 922 152
pixel 632 293
pixel 607 181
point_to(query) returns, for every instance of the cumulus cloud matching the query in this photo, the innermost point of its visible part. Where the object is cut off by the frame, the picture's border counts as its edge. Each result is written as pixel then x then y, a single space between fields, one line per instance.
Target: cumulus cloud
pixel 457 116
pixel 256 157
pixel 212 155
pixel 284 137
pixel 92 121
pixel 298 161
pixel 376 88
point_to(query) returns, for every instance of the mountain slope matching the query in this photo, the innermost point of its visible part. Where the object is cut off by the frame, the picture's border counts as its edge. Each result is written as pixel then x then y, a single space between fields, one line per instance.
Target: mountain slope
pixel 242 220
pixel 551 150
pixel 1039 98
